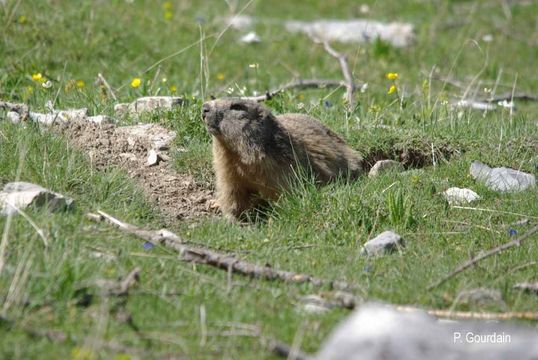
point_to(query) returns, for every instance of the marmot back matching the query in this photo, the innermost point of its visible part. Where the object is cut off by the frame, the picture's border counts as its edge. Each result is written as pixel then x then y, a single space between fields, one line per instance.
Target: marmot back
pixel 255 152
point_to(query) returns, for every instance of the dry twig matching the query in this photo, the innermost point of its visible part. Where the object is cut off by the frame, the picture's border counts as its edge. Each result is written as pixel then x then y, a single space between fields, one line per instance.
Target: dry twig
pixel 102 81
pixel 484 255
pixel 350 87
pixel 21 109
pixel 300 84
pixel 209 257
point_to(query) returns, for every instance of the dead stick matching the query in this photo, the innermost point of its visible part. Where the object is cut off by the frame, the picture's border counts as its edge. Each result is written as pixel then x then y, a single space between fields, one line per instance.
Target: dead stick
pixel 21 109
pixel 300 84
pixel 345 71
pixel 471 315
pixel 101 79
pixel 349 301
pixel 476 259
pixel 209 257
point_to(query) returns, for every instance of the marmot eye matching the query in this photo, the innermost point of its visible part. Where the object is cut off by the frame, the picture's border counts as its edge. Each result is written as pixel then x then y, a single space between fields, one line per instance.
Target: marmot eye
pixel 239 107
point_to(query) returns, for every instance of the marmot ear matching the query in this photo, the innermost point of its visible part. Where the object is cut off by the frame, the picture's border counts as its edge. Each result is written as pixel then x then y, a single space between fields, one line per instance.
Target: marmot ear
pixel 264 113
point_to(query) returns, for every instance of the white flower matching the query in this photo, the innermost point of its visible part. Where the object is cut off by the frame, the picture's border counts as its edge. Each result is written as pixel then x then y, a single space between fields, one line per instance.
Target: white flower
pixel 364 87
pixel 47 84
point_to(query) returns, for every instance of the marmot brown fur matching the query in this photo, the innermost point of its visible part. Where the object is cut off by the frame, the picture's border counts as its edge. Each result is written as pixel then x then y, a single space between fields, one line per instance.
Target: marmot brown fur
pixel 256 152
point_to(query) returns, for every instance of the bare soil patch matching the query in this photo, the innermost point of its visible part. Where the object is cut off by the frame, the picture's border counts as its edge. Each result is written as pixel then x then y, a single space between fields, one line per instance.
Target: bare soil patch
pixel 177 196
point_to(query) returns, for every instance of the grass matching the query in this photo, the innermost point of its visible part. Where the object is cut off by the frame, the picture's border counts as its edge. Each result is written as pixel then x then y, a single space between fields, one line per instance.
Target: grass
pixel 314 230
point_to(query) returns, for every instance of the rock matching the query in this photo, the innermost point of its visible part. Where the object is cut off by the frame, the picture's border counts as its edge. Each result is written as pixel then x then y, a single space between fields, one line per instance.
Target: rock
pixel 384 166
pixel 148 104
pixel 250 38
pixel 314 304
pixel 153 158
pixel 528 287
pixel 376 331
pixel 21 195
pixel 456 196
pixel 13 117
pixel 157 136
pixel 476 105
pixel 502 179
pixel 239 22
pixel 481 297
pixel 59 116
pixel 100 119
pixel 355 31
pixel 385 242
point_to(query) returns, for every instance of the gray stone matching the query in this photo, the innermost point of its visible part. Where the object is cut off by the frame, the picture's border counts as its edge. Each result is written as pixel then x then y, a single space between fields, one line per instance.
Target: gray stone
pixel 376 331
pixel 458 196
pixel 13 117
pixel 481 297
pixel 21 195
pixel 148 104
pixel 157 136
pixel 355 31
pixel 385 242
pixel 61 116
pixel 384 166
pixel 100 119
pixel 502 179
pixel 153 158
pixel 528 287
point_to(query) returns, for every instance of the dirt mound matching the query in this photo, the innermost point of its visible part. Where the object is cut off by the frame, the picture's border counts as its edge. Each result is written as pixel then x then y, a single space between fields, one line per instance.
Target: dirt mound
pixel 177 196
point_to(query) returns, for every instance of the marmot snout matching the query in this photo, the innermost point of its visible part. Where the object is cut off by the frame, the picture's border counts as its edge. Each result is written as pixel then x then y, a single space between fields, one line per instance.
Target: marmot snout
pixel 255 152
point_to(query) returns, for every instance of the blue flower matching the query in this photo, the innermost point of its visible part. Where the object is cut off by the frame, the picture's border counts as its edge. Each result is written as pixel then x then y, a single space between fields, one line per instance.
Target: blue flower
pixel 148 245
pixel 327 104
pixel 512 232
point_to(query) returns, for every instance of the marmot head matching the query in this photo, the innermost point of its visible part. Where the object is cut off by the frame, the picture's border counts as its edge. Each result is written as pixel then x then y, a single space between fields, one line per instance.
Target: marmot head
pixel 233 117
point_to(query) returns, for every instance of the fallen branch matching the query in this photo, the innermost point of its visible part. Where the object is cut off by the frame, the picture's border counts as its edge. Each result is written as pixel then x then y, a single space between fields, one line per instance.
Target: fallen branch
pixel 349 301
pixel 300 84
pixel 472 315
pixel 485 255
pixel 509 97
pixel 209 257
pixel 102 81
pixel 285 351
pixel 21 109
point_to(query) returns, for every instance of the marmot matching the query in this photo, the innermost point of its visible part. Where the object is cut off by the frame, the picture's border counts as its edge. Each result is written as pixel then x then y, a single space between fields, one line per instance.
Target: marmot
pixel 256 152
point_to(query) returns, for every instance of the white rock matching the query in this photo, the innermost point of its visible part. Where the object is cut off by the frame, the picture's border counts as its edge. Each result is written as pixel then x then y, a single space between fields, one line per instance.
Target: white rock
pixel 59 116
pixel 477 105
pixel 21 195
pixel 153 158
pixel 148 104
pixel 240 22
pixel 100 119
pixel 13 117
pixel 385 242
pixel 250 38
pixel 375 331
pixel 158 136
pixel 458 196
pixel 384 166
pixel 355 31
pixel 502 179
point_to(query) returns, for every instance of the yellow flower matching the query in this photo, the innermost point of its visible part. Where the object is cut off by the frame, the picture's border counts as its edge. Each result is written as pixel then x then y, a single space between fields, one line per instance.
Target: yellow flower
pixel 392 76
pixel 173 88
pixel 38 77
pixel 167 5
pixel 82 354
pixel 220 76
pixel 29 90
pixel 168 15
pixel 80 84
pixel 136 82
pixel 22 19
pixel 122 356
pixel 392 89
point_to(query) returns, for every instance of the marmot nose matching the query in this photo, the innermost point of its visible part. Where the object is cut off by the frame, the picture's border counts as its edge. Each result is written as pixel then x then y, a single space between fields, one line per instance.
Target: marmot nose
pixel 205 110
